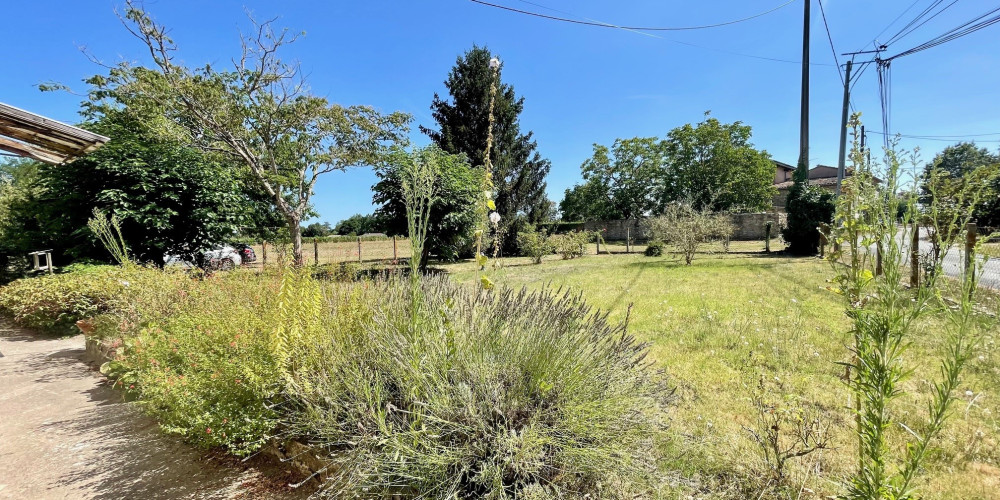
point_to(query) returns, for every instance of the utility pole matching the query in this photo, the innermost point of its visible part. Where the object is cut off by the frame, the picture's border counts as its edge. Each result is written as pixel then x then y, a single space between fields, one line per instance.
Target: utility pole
pixel 842 159
pixel 804 118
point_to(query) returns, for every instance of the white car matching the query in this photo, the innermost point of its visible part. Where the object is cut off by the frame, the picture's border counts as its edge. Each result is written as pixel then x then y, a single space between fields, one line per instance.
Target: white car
pixel 221 257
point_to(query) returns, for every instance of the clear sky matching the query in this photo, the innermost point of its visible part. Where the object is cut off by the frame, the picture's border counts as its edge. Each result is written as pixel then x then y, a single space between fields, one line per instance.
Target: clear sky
pixel 582 84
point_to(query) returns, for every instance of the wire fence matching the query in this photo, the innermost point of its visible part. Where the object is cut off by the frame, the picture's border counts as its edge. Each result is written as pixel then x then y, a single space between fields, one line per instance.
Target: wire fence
pixel 321 251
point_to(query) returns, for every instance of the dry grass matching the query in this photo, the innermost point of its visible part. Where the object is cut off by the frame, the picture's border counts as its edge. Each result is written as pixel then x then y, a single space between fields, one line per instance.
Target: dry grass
pixel 719 325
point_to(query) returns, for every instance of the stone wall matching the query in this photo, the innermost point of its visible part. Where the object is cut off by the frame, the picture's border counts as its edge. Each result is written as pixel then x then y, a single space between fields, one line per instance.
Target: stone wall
pixel 747 227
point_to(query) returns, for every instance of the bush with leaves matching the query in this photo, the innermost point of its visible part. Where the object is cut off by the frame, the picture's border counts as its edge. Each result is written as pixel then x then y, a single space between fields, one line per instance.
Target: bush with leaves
pixel 570 245
pixel 807 207
pixel 654 248
pixel 534 244
pixel 687 229
pixel 485 395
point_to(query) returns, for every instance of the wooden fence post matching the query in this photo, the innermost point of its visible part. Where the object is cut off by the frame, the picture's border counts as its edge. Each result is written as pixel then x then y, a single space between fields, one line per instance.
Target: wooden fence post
pixel 878 259
pixel 359 249
pixel 971 232
pixel 263 247
pixel 628 239
pixel 316 250
pixel 915 256
pixel 767 237
pixel 394 255
pixel 598 243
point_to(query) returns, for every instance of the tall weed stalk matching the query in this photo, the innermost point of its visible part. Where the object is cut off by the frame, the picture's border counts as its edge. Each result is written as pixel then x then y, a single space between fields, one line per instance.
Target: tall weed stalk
pixel 883 312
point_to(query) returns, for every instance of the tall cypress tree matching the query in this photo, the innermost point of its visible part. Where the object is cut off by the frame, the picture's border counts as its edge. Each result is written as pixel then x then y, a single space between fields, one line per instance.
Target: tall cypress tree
pixel 518 170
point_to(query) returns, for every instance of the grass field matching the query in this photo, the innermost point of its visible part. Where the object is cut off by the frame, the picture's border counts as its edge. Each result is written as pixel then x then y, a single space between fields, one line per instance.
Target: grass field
pixel 341 251
pixel 730 323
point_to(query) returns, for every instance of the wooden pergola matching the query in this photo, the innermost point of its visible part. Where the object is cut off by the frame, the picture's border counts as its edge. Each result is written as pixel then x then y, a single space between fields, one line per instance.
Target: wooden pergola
pixel 34 136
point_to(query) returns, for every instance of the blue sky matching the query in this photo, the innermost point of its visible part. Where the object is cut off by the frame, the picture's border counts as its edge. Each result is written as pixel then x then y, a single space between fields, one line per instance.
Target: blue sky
pixel 582 84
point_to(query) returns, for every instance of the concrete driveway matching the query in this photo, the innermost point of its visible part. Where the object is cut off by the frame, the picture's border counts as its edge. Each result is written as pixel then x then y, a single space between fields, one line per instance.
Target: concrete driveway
pixel 64 434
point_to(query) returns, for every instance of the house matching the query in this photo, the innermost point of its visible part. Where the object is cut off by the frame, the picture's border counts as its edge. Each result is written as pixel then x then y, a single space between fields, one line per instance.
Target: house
pixel 823 176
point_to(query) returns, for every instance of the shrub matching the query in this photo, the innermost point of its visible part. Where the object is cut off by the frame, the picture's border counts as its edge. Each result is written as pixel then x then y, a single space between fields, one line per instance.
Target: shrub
pixel 54 303
pixel 687 229
pixel 534 244
pixel 485 395
pixel 654 248
pixel 808 207
pixel 570 245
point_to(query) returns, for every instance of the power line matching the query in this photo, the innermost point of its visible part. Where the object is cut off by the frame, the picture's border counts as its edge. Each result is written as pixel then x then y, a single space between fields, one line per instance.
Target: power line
pixel 636 28
pixel 948 138
pixel 899 36
pixel 830 39
pixel 900 16
pixel 593 22
pixel 955 33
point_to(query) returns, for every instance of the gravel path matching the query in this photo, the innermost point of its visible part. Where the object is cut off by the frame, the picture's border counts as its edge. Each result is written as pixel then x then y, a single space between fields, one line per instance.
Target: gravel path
pixel 65 434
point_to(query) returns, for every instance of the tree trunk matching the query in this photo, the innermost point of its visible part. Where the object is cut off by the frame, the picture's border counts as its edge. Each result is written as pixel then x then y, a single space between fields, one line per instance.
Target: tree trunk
pixel 295 231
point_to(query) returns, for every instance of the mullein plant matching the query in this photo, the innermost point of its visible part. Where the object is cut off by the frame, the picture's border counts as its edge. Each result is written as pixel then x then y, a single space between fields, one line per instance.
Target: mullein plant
pixel 883 312
pixel 486 208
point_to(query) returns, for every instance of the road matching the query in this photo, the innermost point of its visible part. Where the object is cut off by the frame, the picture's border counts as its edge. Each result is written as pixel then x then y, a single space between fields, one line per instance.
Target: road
pixel 953 264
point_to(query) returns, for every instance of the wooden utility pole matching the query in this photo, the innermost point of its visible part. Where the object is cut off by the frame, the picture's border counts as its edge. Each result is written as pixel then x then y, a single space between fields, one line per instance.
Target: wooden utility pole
pixel 804 116
pixel 842 159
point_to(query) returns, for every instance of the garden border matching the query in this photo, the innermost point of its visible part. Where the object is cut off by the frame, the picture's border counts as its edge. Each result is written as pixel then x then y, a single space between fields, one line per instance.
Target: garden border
pixel 302 457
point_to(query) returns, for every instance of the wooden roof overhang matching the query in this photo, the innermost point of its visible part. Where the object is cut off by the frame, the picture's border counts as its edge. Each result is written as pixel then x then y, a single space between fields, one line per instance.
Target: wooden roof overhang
pixel 34 136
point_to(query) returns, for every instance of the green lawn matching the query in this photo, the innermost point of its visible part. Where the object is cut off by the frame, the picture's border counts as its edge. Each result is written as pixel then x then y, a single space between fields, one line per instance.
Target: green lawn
pixel 729 321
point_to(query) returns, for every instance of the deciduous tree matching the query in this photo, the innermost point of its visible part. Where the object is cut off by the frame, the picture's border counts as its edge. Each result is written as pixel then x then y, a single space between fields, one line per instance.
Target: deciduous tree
pixel 259 113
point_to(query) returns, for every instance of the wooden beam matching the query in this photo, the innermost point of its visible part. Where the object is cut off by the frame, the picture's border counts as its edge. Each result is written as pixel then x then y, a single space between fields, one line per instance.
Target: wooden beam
pixel 29 151
pixel 39 122
pixel 41 139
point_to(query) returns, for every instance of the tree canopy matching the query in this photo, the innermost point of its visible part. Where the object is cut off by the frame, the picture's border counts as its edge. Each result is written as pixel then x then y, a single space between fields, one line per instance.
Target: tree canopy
pixel 957 166
pixel 711 165
pixel 519 171
pixel 359 224
pixel 258 114
pixel 171 198
pixel 453 212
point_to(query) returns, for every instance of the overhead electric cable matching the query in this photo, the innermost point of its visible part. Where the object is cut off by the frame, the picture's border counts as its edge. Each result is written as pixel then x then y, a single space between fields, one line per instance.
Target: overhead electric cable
pixel 949 138
pixel 969 27
pixel 900 16
pixel 829 37
pixel 637 28
pixel 899 36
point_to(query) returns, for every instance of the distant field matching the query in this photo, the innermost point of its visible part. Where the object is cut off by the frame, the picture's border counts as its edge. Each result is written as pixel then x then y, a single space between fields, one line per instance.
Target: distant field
pixel 333 252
